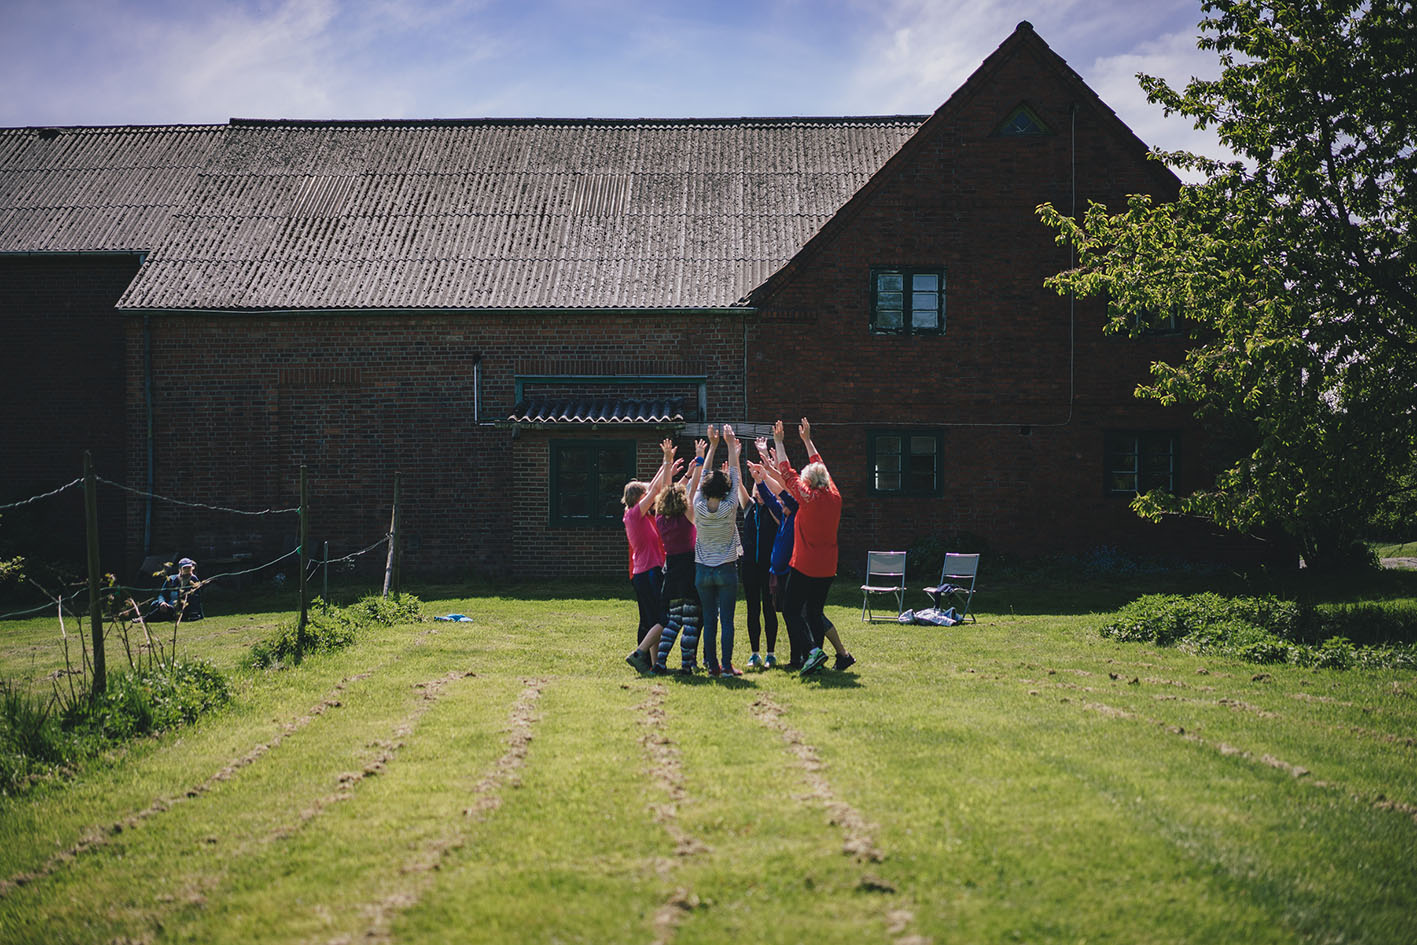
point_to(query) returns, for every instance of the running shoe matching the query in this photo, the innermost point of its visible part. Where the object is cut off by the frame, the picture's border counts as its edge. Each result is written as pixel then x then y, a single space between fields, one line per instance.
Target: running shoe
pixel 639 661
pixel 813 662
pixel 730 670
pixel 755 662
pixel 770 662
pixel 843 660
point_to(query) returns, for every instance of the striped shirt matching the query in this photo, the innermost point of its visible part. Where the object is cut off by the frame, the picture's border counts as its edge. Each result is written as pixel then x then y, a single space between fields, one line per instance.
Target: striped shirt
pixel 717 541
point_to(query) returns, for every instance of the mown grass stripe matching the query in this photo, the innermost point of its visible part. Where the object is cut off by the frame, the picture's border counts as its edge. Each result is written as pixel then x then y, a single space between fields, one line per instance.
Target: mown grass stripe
pixel 857 833
pixel 416 872
pixel 99 835
pixel 666 770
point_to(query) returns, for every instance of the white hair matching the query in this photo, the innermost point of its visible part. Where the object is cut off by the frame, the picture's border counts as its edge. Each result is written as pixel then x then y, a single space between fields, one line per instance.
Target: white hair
pixel 816 476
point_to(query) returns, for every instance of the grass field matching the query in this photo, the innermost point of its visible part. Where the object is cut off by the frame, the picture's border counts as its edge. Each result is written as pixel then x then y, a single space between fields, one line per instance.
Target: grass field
pixel 512 780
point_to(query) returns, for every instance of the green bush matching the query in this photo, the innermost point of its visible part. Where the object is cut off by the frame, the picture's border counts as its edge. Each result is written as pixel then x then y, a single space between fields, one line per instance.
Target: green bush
pixel 328 627
pixel 34 738
pixel 1254 629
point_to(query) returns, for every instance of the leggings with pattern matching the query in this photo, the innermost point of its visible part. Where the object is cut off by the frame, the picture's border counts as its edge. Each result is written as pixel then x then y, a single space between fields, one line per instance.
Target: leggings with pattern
pixel 685 615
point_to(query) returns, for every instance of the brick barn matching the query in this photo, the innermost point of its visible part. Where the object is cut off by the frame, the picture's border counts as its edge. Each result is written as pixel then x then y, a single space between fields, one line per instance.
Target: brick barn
pixel 511 313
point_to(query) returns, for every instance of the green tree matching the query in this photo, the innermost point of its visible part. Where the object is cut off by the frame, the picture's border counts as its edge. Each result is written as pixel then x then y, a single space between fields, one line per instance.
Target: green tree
pixel 1293 268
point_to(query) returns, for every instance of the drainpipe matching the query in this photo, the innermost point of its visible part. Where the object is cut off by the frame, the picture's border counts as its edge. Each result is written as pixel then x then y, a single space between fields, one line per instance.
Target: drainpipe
pixel 148 406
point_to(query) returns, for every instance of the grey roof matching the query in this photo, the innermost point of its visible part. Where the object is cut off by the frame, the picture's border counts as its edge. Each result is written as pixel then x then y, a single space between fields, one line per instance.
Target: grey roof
pixel 96 189
pixel 507 214
pixel 597 411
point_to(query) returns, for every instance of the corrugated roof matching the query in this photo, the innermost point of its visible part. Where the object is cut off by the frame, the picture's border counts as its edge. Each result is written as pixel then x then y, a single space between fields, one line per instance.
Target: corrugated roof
pixel 96 189
pixel 597 411
pixel 507 213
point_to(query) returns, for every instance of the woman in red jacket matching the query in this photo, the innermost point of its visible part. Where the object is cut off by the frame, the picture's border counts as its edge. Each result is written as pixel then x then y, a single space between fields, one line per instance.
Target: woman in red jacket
pixel 814 553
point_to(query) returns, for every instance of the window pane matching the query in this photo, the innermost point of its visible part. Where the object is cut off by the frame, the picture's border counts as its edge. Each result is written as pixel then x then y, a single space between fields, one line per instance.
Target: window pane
pixel 1123 482
pixel 887 481
pixel 886 300
pixel 925 319
pixel 888 318
pixel 925 300
pixel 889 282
pixel 922 472
pixel 925 282
pixel 922 445
pixel 1158 463
pixel 888 445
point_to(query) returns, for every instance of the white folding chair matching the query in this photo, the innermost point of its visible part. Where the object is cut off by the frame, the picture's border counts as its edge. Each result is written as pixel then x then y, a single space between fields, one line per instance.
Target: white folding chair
pixel 956 585
pixel 885 574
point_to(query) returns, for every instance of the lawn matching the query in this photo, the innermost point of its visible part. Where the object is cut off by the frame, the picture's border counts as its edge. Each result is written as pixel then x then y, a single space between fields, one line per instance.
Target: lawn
pixel 512 780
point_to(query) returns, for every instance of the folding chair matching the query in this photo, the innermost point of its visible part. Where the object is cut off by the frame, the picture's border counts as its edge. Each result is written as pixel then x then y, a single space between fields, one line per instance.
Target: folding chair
pixel 953 589
pixel 885 574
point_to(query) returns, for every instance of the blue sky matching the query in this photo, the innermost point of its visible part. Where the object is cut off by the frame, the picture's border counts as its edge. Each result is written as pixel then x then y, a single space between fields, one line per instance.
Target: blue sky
pixel 86 62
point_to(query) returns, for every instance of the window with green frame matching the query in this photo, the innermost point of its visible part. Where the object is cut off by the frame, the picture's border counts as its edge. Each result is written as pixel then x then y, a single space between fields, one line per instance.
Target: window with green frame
pixel 907 301
pixel 905 462
pixel 1137 462
pixel 588 480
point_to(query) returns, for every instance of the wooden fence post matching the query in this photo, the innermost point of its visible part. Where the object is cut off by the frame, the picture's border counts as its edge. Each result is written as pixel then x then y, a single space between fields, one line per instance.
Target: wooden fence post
pixel 100 676
pixel 391 564
pixel 304 557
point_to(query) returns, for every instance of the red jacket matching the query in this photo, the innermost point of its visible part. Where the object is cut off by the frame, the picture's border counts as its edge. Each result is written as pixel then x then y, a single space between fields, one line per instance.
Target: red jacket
pixel 814 529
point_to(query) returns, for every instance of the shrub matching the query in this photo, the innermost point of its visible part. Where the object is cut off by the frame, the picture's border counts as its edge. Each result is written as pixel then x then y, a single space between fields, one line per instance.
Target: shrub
pixel 34 739
pixel 328 627
pixel 1255 629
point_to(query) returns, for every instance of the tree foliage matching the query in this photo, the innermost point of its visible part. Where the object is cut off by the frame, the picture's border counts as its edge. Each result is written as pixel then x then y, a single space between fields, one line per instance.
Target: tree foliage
pixel 1293 267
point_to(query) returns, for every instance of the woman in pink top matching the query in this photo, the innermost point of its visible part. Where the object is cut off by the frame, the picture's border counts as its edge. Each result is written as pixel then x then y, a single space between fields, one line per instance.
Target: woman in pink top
pixel 647 555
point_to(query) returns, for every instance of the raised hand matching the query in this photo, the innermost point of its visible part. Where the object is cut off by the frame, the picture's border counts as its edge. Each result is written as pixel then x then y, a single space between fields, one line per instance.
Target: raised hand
pixel 762 444
pixel 804 430
pixel 667 447
pixel 700 448
pixel 778 431
pixel 713 435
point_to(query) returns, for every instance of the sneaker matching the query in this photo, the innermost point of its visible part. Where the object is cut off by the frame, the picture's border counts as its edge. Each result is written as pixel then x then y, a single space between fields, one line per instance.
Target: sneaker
pixel 755 662
pixel 688 669
pixel 813 662
pixel 660 669
pixel 770 662
pixel 730 670
pixel 639 661
pixel 714 671
pixel 843 660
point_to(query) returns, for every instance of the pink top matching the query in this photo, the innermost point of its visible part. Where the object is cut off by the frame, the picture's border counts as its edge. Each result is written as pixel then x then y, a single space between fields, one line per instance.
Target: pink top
pixel 646 550
pixel 677 532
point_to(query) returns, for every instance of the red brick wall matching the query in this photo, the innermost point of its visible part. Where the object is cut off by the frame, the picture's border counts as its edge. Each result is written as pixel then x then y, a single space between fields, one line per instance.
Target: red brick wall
pixel 242 401
pixel 61 381
pixel 1014 354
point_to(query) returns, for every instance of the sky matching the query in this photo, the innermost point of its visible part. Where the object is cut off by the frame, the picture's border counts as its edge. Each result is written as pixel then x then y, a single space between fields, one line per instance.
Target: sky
pixel 105 62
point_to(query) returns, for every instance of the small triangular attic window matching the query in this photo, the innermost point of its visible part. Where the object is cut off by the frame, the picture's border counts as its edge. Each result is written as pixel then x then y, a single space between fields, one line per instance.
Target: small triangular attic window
pixel 1022 123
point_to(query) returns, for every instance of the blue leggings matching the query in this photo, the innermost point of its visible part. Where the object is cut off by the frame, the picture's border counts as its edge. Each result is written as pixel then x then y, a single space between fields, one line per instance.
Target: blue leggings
pixel 683 615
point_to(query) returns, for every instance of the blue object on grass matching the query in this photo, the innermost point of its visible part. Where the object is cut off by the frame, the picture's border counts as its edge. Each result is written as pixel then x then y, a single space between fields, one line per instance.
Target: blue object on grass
pixel 457 618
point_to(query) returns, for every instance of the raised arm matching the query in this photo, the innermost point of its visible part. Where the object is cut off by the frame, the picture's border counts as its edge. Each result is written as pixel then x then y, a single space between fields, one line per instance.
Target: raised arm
pixel 696 473
pixel 735 467
pixel 804 430
pixel 662 478
pixel 708 462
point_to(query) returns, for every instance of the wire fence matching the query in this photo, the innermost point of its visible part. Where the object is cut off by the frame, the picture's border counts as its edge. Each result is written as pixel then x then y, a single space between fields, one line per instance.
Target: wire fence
pixel 111 589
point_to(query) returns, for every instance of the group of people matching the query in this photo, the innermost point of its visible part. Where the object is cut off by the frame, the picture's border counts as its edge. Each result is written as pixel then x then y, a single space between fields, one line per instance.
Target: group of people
pixel 697 533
